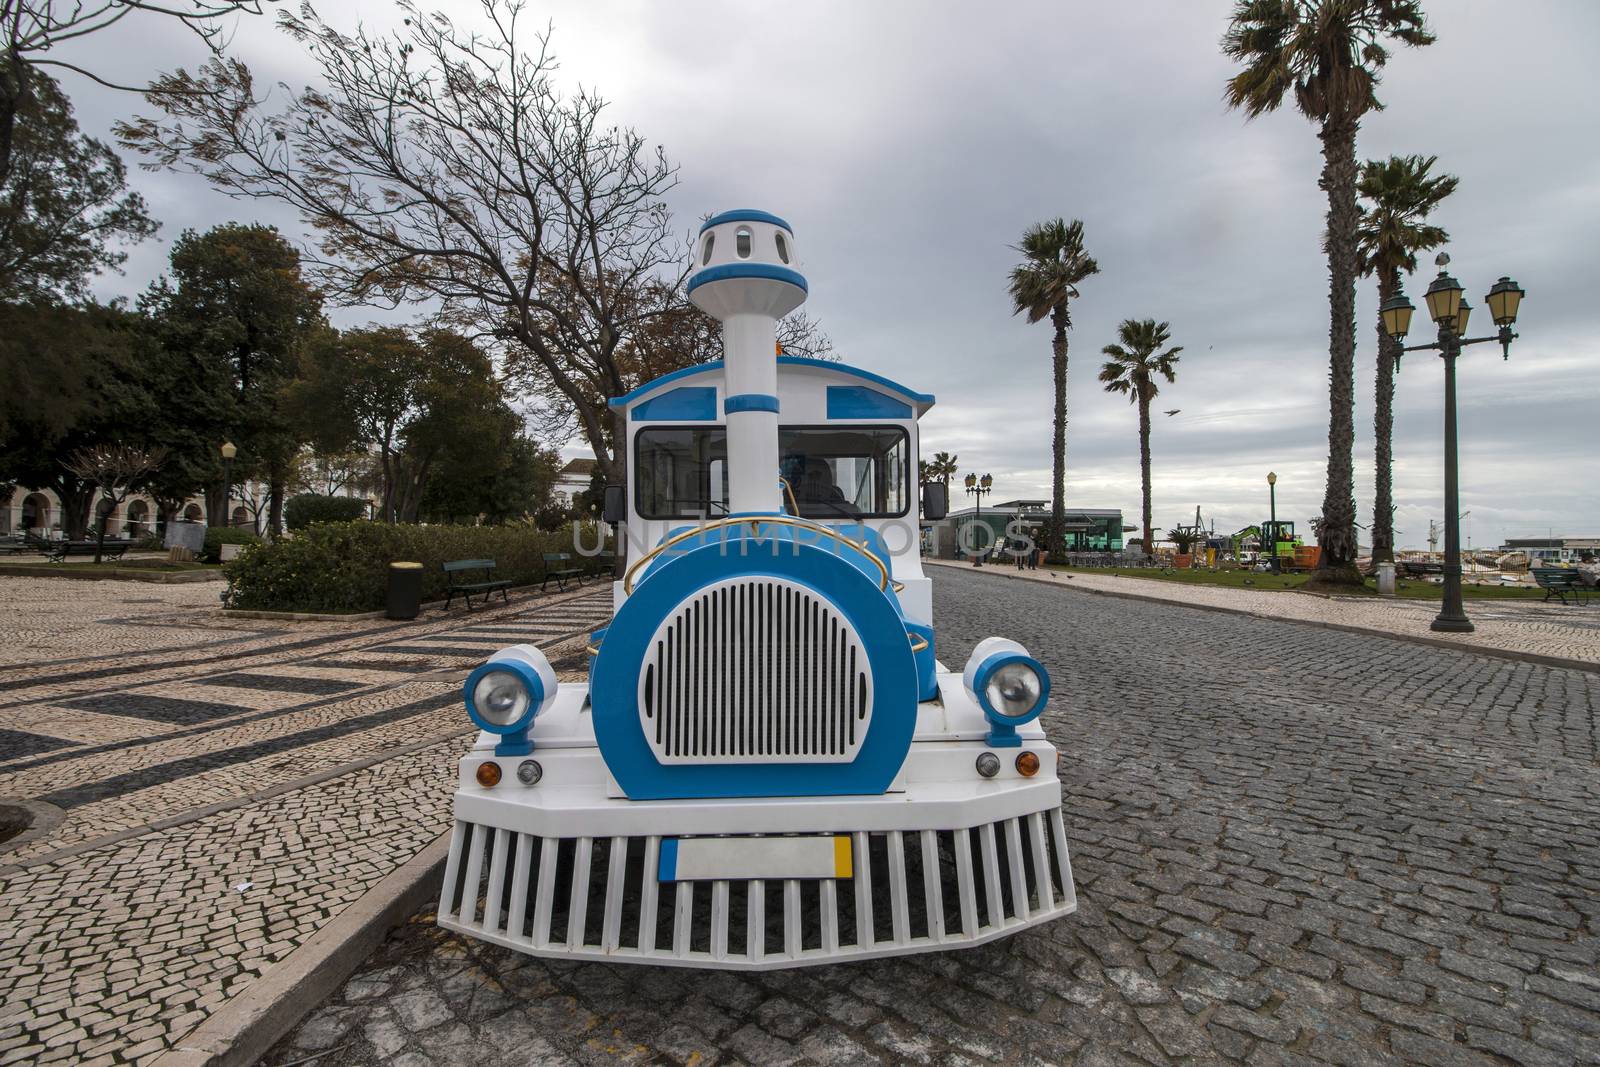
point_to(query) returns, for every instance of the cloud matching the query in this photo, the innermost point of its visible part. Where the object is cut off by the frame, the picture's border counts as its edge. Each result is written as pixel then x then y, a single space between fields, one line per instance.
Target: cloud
pixel 910 144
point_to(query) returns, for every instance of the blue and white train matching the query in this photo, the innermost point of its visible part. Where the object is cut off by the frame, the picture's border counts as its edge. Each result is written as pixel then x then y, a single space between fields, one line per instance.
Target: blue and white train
pixel 767 766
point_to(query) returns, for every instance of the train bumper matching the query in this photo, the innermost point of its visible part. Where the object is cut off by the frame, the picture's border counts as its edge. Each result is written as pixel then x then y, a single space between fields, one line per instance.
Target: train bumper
pixel 567 868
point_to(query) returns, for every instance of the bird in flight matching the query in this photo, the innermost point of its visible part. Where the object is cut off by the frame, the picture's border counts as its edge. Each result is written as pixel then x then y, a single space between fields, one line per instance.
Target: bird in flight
pixel 1174 411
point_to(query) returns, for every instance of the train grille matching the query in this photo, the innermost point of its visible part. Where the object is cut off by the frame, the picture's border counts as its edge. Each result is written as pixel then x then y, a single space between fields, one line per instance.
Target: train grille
pixel 755 670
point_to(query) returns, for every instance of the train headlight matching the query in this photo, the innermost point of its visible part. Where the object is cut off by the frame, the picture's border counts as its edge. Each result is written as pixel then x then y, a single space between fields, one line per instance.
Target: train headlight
pixel 1013 689
pixel 504 695
pixel 1009 685
pixel 501 697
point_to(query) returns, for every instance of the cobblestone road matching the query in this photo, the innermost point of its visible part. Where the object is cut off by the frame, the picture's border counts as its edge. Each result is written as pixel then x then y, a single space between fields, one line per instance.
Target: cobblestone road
pixel 1292 844
pixel 215 790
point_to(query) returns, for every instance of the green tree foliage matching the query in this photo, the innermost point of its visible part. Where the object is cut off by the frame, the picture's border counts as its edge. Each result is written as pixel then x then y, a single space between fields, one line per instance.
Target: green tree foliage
pixel 64 202
pixel 1399 194
pixel 70 379
pixel 1133 367
pixel 234 320
pixel 1328 54
pixel 303 509
pixel 1044 285
pixel 429 405
pixel 509 482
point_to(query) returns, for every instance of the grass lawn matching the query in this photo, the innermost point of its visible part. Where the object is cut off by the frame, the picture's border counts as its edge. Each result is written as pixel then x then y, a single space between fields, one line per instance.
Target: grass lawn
pixel 1267 581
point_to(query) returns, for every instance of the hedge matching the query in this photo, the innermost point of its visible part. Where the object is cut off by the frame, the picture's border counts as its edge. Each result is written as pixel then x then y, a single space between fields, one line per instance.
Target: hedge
pixel 306 508
pixel 217 536
pixel 341 567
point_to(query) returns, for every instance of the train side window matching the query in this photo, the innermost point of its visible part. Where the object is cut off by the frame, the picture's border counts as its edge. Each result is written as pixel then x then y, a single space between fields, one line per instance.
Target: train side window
pixel 682 472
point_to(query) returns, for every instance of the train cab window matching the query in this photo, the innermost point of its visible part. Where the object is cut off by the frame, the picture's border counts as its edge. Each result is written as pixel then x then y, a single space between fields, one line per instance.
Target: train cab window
pixel 741 242
pixel 705 257
pixel 856 472
pixel 783 247
pixel 681 472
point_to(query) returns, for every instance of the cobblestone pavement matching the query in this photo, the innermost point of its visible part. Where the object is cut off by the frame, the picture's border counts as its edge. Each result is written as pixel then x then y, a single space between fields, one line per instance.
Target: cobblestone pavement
pixel 223 788
pixel 1568 631
pixel 1292 845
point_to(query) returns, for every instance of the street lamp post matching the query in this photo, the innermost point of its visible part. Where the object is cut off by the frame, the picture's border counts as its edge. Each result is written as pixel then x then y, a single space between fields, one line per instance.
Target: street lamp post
pixel 1272 522
pixel 978 488
pixel 1450 313
pixel 228 450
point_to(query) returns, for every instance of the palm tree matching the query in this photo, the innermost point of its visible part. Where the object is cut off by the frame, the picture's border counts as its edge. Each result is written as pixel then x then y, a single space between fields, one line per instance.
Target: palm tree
pixel 942 469
pixel 1329 53
pixel 1045 283
pixel 1133 368
pixel 1399 195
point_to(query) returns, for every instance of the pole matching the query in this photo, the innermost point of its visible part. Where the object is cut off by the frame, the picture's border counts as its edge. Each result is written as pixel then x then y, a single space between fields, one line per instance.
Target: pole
pixel 1272 489
pixel 1453 616
pixel 977 549
pixel 227 491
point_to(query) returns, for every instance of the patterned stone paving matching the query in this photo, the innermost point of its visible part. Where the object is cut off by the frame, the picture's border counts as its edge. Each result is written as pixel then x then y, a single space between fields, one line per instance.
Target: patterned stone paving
pixel 1293 845
pixel 289 767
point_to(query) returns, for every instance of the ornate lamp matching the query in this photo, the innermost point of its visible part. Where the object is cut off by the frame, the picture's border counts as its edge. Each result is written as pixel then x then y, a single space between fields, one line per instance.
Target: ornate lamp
pixel 1444 295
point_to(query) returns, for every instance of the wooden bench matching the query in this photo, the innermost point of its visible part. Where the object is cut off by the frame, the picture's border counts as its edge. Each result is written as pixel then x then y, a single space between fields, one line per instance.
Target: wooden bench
pixel 553 569
pixel 1561 583
pixel 60 550
pixel 455 570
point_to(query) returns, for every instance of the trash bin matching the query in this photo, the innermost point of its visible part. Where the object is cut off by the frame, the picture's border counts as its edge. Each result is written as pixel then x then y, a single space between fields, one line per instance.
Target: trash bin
pixel 1386 579
pixel 405 590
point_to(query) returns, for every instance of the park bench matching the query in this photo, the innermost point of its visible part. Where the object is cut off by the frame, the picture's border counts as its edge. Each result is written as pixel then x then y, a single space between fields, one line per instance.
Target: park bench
pixel 1561 583
pixel 60 550
pixel 457 570
pixel 553 569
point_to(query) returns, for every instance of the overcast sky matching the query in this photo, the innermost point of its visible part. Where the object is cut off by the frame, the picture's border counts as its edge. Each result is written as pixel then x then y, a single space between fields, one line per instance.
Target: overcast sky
pixel 910 144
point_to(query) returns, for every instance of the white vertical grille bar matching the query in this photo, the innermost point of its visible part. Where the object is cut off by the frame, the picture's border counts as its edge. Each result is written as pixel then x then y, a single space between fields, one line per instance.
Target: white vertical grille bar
pixel 969 898
pixel 1019 870
pixel 755 928
pixel 991 873
pixel 1041 865
pixel 932 884
pixel 1058 835
pixel 497 882
pixel 682 915
pixel 452 867
pixel 578 904
pixel 791 918
pixel 469 891
pixel 517 919
pixel 545 900
pixel 862 866
pixel 719 919
pixel 649 893
pixel 616 874
pixel 828 889
pixel 900 910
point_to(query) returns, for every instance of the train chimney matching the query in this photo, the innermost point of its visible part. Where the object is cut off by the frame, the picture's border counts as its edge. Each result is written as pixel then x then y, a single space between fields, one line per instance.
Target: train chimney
pixel 744 277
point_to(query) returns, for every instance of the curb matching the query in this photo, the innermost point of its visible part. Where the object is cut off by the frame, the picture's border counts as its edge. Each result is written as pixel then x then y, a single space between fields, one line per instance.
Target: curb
pixel 135 574
pixel 1415 639
pixel 301 616
pixel 244 1028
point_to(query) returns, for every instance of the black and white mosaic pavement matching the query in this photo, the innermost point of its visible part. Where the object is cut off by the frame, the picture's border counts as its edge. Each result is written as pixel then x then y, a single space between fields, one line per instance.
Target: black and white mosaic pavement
pixel 1293 845
pixel 218 790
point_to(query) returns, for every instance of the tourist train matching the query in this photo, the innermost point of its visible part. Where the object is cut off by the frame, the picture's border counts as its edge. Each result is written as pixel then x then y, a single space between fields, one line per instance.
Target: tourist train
pixel 767 766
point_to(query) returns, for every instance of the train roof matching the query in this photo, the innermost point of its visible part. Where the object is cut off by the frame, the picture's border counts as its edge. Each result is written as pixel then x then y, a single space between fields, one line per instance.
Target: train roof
pixel 920 401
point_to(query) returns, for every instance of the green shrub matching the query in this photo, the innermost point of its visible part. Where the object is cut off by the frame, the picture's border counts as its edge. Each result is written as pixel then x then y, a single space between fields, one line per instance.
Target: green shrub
pixel 217 536
pixel 340 567
pixel 303 510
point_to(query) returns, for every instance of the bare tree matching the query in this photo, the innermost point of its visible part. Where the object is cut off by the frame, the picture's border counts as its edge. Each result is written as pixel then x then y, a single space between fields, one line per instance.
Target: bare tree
pixel 31 29
pixel 441 164
pixel 117 470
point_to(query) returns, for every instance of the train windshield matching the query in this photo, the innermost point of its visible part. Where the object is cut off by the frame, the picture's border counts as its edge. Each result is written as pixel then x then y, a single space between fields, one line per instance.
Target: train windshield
pixel 855 472
pixel 831 472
